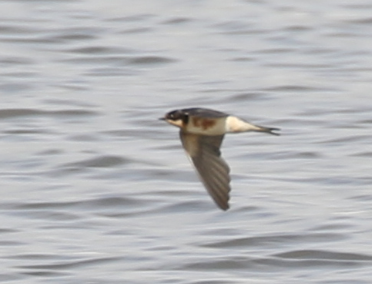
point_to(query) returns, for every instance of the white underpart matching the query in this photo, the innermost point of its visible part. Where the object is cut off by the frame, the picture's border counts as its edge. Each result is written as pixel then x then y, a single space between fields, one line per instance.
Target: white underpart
pixel 234 125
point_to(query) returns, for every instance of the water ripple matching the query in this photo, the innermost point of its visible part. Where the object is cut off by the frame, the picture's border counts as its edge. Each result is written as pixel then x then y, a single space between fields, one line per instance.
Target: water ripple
pixel 95 189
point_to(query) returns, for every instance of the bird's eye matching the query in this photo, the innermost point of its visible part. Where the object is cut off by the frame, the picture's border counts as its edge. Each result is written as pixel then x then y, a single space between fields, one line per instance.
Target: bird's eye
pixel 173 115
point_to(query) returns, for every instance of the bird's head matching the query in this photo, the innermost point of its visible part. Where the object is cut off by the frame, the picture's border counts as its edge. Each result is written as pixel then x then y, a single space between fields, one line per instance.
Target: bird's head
pixel 177 118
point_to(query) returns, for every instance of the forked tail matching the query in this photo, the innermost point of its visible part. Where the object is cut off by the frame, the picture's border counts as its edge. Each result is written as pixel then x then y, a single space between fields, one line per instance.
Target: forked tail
pixel 269 130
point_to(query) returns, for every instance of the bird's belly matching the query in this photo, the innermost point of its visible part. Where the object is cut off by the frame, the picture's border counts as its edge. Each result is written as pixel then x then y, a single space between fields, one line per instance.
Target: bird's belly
pixel 206 126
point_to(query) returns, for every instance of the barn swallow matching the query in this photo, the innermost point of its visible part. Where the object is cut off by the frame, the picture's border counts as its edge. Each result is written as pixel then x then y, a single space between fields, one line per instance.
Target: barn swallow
pixel 201 132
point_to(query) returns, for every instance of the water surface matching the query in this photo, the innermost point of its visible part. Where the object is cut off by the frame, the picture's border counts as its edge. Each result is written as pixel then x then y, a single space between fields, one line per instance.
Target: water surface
pixel 94 189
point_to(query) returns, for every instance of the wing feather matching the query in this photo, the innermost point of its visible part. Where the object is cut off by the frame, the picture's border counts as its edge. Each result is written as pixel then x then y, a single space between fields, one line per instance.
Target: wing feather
pixel 213 171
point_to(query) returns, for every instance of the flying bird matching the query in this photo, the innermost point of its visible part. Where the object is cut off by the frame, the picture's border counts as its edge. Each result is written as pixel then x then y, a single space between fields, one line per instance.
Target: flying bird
pixel 201 132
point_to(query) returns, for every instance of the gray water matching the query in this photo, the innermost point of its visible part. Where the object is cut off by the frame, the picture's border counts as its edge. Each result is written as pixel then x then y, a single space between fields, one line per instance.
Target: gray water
pixel 95 189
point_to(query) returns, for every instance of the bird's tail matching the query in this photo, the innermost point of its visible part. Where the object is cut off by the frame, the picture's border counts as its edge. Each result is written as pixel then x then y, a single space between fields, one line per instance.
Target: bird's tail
pixel 269 130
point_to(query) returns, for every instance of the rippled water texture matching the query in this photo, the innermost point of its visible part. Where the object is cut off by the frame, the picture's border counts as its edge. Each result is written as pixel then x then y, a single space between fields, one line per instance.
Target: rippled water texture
pixel 95 189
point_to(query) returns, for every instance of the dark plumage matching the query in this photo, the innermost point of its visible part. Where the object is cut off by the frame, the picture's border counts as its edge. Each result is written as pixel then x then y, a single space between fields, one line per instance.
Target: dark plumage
pixel 201 133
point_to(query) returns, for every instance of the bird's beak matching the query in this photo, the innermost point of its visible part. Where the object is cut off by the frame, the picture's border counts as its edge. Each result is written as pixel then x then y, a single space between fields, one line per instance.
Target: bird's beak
pixel 162 118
